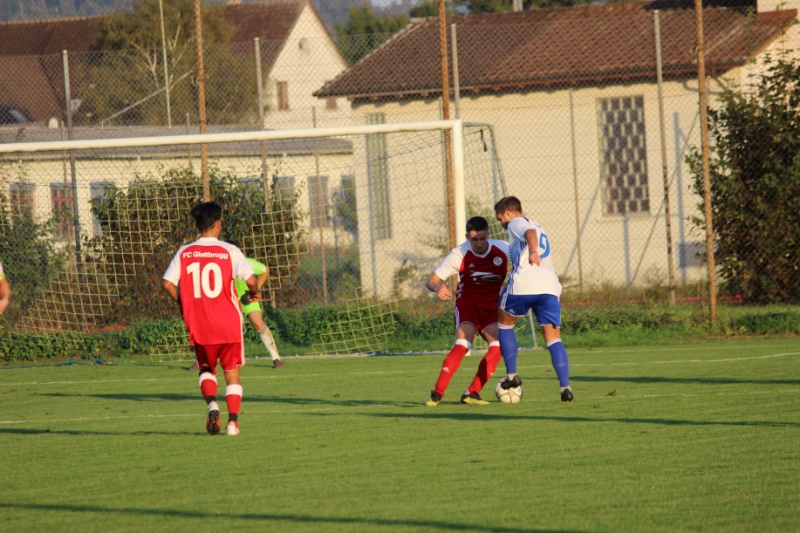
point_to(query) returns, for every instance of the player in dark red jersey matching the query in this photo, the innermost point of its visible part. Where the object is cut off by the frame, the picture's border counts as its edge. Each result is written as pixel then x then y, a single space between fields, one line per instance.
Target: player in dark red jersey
pixel 481 264
pixel 205 271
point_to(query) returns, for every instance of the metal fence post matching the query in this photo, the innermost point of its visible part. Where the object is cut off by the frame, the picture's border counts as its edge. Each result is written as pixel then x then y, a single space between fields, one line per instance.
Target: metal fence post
pixel 456 82
pixel 260 93
pixel 164 56
pixel 667 213
pixel 75 212
pixel 575 186
pixel 709 222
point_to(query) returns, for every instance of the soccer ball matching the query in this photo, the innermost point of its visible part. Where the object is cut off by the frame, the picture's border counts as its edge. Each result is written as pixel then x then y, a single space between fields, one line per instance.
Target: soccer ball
pixel 512 395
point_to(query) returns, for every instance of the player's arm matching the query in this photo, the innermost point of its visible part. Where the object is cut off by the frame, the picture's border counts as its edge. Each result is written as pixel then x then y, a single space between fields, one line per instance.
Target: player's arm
pixel 5 293
pixel 435 284
pixel 244 271
pixel 449 266
pixel 262 278
pixel 171 289
pixel 171 277
pixel 252 285
pixel 532 238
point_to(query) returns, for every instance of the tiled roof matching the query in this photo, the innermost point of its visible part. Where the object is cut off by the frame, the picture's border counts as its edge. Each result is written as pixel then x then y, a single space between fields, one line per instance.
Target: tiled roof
pixel 276 147
pixel 44 37
pixel 547 48
pixel 270 21
pixel 24 86
pixel 31 70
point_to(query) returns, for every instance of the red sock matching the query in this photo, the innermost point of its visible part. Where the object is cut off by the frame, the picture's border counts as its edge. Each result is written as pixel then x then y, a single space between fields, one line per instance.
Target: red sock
pixel 450 367
pixel 233 399
pixel 208 384
pixel 487 367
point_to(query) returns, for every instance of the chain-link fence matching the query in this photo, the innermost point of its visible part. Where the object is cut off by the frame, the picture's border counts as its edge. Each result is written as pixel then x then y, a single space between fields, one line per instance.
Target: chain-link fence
pixel 575 121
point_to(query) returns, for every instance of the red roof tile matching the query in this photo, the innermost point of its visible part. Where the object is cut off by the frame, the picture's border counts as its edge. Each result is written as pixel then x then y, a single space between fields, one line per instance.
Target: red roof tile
pixel 31 71
pixel 544 48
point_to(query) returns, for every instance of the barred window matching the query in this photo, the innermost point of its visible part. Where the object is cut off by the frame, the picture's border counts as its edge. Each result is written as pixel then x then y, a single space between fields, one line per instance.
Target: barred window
pixel 378 179
pixel 283 95
pixel 61 200
pixel 319 201
pixel 98 189
pixel 623 155
pixel 284 191
pixel 22 196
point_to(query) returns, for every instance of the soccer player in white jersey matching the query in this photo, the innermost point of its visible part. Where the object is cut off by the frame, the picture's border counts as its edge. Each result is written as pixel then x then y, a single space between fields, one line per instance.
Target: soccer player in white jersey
pixel 481 264
pixel 5 290
pixel 205 270
pixel 533 284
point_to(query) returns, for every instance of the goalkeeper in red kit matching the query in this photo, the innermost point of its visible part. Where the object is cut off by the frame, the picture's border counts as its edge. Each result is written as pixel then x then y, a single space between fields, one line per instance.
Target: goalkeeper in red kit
pixel 481 265
pixel 205 271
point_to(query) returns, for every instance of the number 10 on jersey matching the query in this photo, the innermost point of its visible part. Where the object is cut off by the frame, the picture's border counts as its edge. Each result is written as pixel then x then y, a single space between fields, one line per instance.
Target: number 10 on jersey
pixel 202 282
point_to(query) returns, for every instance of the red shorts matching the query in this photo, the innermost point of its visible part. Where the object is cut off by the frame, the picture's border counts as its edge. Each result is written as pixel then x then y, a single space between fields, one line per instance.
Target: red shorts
pixel 229 356
pixel 480 318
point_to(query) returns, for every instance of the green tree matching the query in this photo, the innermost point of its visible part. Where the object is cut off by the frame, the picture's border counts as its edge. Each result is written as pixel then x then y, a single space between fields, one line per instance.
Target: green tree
pixel 755 184
pixel 366 31
pixel 429 8
pixel 144 225
pixel 26 247
pixel 129 71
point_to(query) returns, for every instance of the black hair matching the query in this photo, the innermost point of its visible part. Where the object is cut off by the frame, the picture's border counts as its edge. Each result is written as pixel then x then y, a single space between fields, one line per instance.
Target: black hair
pixel 206 215
pixel 477 224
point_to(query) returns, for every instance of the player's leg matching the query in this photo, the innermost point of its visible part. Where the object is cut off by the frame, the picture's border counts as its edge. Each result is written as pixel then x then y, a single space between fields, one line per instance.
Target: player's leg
pixel 489 362
pixel 257 320
pixel 208 386
pixel 511 308
pixel 231 358
pixel 548 314
pixel 465 333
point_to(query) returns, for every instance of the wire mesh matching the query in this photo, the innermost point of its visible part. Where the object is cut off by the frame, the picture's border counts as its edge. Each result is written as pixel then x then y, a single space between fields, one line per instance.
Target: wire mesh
pixel 567 113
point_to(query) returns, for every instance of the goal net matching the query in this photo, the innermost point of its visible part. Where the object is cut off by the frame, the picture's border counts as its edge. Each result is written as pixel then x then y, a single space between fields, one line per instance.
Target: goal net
pixel 350 221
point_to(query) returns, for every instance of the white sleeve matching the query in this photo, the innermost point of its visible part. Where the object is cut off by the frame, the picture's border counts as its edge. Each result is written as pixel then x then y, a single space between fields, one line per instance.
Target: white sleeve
pixel 517 229
pixel 242 268
pixel 500 245
pixel 451 264
pixel 173 273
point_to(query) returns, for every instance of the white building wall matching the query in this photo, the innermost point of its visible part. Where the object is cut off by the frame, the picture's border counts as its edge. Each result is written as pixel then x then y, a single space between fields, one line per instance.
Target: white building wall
pixel 309 58
pixel 124 171
pixel 534 140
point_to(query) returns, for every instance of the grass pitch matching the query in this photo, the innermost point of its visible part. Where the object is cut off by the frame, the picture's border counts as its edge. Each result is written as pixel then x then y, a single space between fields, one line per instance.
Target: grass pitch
pixel 700 436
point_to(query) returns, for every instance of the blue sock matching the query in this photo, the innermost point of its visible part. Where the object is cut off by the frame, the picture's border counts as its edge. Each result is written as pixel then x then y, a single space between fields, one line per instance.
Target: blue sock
pixel 508 347
pixel 558 355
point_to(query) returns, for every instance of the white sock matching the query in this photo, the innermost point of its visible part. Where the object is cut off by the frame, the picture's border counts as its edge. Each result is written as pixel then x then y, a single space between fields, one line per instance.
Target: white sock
pixel 269 342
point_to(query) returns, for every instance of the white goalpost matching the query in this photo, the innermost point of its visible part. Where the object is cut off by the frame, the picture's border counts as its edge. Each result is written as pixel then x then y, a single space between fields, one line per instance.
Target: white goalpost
pixel 350 221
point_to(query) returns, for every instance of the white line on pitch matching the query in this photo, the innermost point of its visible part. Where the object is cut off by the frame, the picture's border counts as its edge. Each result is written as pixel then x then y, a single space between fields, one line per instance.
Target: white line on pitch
pixel 389 372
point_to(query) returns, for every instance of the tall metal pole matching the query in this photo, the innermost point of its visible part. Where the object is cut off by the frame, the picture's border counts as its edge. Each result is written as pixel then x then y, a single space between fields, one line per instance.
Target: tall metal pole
pixel 260 93
pixel 701 79
pixel 320 212
pixel 575 189
pixel 448 158
pixel 201 98
pixel 456 82
pixel 164 58
pixel 665 174
pixel 75 212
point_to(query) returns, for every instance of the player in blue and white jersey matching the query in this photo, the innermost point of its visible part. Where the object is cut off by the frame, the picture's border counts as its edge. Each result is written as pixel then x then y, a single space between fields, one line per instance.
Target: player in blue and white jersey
pixel 533 284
